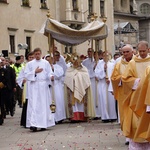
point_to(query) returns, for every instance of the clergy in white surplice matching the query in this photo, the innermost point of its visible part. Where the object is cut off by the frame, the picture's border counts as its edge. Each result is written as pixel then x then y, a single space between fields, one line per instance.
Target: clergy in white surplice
pixel 90 64
pixel 24 84
pixel 60 61
pixel 103 73
pixel 58 96
pixel 39 72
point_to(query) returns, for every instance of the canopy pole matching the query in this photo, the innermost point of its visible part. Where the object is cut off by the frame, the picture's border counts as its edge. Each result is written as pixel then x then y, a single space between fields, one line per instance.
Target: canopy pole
pixel 51 52
pixel 104 19
pixel 50 38
pixel 92 49
pixel 92 18
pixel 96 61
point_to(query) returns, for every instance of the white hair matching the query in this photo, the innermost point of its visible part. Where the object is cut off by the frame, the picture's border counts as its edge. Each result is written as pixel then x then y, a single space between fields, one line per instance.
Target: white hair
pixel 128 45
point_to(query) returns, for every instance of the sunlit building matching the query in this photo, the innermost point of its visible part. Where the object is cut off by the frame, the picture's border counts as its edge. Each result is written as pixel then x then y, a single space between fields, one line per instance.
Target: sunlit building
pixel 21 21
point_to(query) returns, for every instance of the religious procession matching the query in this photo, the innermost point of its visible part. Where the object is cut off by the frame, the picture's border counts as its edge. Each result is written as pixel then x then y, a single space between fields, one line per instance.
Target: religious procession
pixel 53 89
pixel 97 87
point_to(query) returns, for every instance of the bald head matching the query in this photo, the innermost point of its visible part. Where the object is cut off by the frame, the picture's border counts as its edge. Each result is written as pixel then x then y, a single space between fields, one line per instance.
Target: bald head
pixel 3 61
pixel 128 46
pixel 127 51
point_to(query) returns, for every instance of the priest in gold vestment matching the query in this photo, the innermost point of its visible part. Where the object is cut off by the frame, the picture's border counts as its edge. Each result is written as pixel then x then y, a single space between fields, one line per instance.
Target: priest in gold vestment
pixel 116 80
pixel 132 82
pixel 79 102
pixel 142 109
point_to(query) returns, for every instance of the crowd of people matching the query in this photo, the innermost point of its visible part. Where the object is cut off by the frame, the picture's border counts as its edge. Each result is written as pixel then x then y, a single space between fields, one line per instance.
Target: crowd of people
pixel 93 87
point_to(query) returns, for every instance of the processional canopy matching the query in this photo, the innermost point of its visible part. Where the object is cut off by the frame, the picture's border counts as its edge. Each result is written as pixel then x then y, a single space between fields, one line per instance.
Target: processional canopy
pixel 65 35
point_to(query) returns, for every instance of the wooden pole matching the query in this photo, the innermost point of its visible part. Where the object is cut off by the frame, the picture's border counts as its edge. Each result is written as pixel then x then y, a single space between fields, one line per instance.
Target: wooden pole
pixel 51 51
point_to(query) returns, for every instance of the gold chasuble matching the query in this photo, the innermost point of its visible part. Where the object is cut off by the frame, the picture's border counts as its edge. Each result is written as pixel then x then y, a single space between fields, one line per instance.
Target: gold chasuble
pixel 143 129
pixel 134 70
pixel 78 91
pixel 117 87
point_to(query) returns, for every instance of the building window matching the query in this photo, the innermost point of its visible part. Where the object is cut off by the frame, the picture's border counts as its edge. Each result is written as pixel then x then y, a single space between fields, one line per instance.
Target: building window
pixel 12 43
pixel 26 3
pixel 3 1
pixel 68 50
pixel 90 7
pixel 123 3
pixel 102 8
pixel 44 4
pixel 28 42
pixel 145 8
pixel 75 4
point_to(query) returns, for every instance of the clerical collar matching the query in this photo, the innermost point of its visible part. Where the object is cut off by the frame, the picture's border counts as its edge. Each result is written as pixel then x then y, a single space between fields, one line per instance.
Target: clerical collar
pixel 144 58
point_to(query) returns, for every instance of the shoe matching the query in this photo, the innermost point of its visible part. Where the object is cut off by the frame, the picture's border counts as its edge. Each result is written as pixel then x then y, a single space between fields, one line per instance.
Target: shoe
pixel 96 118
pixel 59 122
pixel 113 120
pixel 1 120
pixel 34 129
pixel 105 121
pixel 43 129
pixel 12 113
pixel 4 116
pixel 31 128
pixel 74 121
pixel 127 143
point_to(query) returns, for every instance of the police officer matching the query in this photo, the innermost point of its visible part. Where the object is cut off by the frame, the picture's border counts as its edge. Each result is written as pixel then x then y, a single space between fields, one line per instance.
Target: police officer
pixel 18 67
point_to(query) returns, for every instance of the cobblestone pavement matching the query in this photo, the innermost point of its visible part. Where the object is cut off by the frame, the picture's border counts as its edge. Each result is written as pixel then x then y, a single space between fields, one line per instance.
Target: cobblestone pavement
pixel 93 135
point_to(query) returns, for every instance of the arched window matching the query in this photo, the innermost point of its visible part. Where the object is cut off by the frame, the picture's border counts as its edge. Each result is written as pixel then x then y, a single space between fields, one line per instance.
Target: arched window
pixel 145 8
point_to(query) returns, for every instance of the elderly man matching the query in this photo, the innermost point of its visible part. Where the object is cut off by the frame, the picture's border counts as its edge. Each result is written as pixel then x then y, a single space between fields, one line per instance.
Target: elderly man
pixel 132 80
pixel 116 80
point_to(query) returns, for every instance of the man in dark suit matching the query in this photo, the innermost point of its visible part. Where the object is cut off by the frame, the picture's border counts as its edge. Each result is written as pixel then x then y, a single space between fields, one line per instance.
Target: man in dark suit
pixel 10 87
pixel 3 80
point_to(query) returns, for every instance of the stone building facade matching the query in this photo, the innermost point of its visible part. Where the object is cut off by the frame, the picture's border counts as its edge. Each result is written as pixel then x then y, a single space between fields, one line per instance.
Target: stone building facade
pixel 137 13
pixel 126 22
pixel 21 21
pixel 143 7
